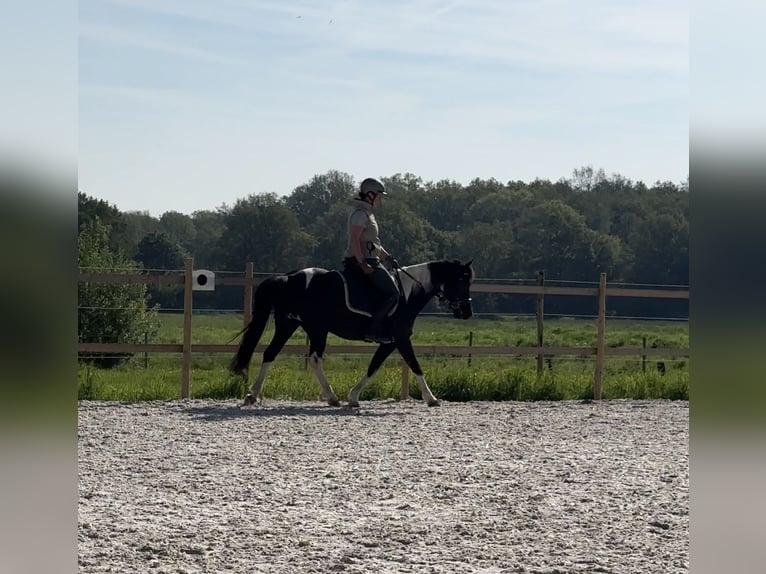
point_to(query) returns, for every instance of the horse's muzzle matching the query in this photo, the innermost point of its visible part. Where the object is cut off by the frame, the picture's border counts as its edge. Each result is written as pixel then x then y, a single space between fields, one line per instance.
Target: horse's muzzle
pixel 461 309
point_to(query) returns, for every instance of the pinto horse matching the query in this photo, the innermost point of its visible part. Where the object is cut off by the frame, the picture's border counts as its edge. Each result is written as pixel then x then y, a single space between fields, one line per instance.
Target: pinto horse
pixel 322 302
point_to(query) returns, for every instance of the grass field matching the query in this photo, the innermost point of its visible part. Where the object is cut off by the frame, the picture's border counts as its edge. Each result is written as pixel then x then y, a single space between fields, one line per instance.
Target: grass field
pixel 157 376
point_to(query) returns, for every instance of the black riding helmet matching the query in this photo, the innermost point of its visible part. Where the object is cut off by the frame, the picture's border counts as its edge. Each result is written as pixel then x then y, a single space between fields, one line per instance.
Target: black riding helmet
pixel 371 185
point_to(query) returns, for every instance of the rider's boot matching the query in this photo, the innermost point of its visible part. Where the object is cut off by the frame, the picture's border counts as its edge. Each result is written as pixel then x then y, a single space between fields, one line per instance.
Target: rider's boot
pixel 376 332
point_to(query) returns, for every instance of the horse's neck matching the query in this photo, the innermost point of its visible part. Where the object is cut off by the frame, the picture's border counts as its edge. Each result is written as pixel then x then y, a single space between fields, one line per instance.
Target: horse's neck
pixel 415 278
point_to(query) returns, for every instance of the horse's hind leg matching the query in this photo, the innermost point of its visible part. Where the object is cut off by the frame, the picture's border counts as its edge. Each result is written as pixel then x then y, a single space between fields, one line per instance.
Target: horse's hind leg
pixel 380 355
pixel 318 343
pixel 283 330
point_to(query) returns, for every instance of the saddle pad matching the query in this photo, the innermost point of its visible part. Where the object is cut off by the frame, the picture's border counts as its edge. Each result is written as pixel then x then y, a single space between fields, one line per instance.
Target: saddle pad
pixel 359 297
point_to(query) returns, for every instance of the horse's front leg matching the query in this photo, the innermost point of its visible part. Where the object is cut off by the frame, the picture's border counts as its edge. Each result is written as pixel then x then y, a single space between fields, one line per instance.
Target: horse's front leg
pixel 408 354
pixel 380 355
pixel 316 351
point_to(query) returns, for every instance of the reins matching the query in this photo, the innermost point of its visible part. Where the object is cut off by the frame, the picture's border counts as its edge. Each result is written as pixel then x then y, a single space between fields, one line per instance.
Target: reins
pixel 395 264
pixel 439 292
pixel 397 267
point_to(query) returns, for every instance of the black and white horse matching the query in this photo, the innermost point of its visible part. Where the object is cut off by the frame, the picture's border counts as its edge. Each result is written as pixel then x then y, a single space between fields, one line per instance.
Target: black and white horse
pixel 322 302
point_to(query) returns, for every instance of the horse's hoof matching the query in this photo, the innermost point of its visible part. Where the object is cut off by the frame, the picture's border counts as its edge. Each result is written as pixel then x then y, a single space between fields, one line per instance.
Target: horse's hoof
pixel 249 400
pixel 334 403
pixel 434 403
pixel 353 405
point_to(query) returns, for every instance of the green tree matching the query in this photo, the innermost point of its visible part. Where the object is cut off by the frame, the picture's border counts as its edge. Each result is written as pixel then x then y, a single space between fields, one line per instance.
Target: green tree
pixel 109 313
pixel 329 235
pixel 158 251
pixel 261 229
pixel 208 229
pixel 407 236
pixel 545 190
pixel 405 188
pixel 137 225
pixel 90 209
pixel 493 249
pixel 586 178
pixel 660 250
pixel 442 204
pixel 555 238
pixel 504 205
pixel 180 228
pixel 311 201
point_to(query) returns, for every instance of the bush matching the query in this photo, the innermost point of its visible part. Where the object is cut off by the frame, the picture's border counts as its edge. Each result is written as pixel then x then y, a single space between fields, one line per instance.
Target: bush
pixel 109 313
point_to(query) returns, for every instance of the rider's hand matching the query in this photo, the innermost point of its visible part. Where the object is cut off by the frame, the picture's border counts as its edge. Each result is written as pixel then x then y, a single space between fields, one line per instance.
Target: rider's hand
pixel 367 268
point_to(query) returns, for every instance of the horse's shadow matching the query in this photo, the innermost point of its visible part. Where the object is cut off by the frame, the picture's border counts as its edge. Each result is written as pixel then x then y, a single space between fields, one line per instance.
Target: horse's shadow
pixel 224 412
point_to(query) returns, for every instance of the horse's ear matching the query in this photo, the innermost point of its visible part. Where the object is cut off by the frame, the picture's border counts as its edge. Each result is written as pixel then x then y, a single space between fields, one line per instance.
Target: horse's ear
pixel 470 262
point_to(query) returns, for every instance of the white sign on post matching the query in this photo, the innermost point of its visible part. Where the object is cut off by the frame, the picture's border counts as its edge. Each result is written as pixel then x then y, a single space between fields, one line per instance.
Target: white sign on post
pixel 203 280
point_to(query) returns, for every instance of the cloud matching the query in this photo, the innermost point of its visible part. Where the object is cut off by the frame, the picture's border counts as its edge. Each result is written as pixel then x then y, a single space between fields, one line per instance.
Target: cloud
pixel 588 34
pixel 173 99
pixel 119 35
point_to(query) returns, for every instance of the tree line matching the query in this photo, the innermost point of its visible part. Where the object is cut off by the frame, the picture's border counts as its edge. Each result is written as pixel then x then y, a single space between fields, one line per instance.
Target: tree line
pixel 572 229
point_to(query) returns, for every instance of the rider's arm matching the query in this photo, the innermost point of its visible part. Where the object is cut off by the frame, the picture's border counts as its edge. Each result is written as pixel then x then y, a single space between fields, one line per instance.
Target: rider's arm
pixel 356 247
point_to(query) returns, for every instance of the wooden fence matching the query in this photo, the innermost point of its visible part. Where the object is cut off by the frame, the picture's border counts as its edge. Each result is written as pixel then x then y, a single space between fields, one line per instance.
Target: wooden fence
pixel 248 282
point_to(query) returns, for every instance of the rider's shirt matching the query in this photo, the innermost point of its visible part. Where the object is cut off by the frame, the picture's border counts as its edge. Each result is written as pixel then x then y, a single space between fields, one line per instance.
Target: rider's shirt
pixel 361 215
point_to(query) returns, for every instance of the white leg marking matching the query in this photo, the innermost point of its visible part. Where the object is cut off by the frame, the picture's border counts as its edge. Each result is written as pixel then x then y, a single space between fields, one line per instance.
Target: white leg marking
pixel 255 388
pixel 353 394
pixel 428 396
pixel 327 392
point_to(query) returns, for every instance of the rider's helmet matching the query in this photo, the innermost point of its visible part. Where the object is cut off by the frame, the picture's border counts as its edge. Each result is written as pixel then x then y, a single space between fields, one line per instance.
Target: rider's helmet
pixel 371 185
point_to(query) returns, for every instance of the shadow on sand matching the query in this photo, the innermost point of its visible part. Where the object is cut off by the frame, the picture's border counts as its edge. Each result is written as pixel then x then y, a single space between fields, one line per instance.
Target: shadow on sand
pixel 229 412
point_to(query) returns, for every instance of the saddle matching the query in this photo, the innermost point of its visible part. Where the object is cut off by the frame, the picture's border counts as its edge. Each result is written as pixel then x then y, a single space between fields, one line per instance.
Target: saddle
pixel 360 297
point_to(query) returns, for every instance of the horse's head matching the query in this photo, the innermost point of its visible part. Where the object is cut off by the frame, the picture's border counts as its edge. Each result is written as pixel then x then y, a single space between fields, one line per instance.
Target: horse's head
pixel 456 288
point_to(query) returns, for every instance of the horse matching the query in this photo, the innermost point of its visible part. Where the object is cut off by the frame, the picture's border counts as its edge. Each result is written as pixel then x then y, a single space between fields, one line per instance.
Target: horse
pixel 325 301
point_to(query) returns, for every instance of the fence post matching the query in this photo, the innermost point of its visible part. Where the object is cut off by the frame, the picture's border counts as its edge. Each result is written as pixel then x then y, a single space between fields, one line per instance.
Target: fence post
pixel 404 392
pixel 186 361
pixel 541 283
pixel 643 357
pixel 248 312
pixel 598 376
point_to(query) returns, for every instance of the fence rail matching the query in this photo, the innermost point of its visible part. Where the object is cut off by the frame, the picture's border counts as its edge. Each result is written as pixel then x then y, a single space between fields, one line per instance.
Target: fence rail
pixel 479 286
pixel 460 350
pixel 248 281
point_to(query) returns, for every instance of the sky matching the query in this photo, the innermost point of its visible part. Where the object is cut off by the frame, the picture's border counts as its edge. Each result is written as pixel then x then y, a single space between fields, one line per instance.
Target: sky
pixel 189 105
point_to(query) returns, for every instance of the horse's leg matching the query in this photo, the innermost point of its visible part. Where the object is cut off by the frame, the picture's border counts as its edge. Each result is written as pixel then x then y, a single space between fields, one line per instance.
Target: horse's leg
pixel 317 345
pixel 408 354
pixel 380 355
pixel 284 328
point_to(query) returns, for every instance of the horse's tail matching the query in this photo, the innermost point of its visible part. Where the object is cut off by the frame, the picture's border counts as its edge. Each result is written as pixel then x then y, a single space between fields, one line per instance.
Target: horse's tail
pixel 264 299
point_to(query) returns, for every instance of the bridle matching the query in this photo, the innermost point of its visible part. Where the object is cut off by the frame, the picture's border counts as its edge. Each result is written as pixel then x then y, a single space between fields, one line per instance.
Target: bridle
pixel 454 304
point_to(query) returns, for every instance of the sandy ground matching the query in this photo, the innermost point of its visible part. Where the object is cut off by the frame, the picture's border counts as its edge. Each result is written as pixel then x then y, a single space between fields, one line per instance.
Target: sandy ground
pixel 204 486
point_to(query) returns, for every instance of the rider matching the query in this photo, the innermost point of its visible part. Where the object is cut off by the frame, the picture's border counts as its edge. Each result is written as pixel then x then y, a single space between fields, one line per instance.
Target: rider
pixel 364 251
